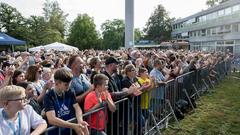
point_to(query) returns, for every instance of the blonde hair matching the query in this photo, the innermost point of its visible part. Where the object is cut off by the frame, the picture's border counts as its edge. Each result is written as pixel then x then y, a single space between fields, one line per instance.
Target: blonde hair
pixel 10 92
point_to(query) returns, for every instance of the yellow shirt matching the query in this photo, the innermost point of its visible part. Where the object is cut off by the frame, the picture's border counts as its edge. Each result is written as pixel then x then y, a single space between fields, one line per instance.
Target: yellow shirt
pixel 146 95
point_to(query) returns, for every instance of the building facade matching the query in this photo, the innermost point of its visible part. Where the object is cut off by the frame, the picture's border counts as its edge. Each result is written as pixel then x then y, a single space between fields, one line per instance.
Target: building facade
pixel 217 28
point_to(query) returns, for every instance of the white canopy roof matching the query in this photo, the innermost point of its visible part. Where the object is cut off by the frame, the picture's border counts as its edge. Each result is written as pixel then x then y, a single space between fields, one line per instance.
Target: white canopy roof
pixel 35 49
pixel 55 46
pixel 60 47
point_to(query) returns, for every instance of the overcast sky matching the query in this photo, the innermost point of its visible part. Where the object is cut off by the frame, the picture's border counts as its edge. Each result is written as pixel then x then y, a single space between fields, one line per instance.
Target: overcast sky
pixel 102 10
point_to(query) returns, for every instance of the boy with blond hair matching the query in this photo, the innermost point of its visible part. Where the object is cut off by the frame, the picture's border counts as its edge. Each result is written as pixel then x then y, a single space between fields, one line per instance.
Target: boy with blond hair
pixel 16 116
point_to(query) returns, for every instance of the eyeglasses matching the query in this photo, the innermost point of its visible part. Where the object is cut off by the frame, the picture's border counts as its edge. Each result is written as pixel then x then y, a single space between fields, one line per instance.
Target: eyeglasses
pixel 23 99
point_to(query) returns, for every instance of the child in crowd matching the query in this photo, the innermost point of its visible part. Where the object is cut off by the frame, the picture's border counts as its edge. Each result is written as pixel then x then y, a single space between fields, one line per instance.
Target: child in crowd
pixel 16 117
pixel 147 86
pixel 96 99
pixel 60 105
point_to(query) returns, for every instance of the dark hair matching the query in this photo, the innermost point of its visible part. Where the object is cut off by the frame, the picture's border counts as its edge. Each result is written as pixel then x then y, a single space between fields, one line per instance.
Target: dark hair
pixel 57 62
pixel 142 70
pixel 93 62
pixel 23 84
pixel 31 73
pixel 5 64
pixel 16 73
pixel 63 74
pixel 71 60
pixel 99 79
pixel 157 62
pixel 129 68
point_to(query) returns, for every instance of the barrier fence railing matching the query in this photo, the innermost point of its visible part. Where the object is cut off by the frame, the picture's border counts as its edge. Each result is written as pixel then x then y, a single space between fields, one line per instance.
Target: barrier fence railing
pixel 150 112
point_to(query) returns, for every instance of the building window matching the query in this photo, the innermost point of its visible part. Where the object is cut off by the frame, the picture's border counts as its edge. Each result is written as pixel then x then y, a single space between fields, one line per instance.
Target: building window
pixel 227 28
pixel 236 8
pixel 235 27
pixel 228 11
pixel 214 32
pixel 220 43
pixel 198 33
pixel 208 32
pixel 194 34
pixel 229 42
pixel 220 30
pixel 220 12
pixel 190 34
pixel 203 32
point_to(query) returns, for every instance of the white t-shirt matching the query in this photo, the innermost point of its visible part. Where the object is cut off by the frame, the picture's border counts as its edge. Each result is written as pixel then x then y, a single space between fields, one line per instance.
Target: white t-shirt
pixel 29 119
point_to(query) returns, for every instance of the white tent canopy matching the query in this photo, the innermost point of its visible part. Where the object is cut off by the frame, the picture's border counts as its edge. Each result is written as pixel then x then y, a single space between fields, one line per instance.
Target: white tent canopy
pixel 35 49
pixel 55 46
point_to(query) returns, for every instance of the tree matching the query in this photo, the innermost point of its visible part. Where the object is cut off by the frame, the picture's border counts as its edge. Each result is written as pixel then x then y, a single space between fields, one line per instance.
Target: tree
pixel 211 3
pixel 56 21
pixel 12 22
pixel 138 34
pixel 113 34
pixel 158 27
pixel 83 33
pixel 37 30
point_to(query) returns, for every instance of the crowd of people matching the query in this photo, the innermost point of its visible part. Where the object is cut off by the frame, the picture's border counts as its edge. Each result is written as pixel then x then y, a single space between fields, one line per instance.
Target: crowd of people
pixel 44 89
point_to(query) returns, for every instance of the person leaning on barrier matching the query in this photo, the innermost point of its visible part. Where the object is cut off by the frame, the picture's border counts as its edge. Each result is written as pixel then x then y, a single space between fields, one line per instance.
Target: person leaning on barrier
pixel 80 83
pixel 16 117
pixel 117 93
pixel 157 74
pixel 60 105
pixel 96 99
pixel 147 85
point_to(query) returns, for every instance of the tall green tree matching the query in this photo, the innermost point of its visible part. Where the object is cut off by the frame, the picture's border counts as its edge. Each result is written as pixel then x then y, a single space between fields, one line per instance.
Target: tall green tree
pixel 113 34
pixel 12 22
pixel 83 33
pixel 56 21
pixel 37 30
pixel 158 27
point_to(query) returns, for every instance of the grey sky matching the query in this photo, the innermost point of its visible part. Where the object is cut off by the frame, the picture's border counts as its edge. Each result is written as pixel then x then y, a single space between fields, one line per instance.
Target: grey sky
pixel 103 10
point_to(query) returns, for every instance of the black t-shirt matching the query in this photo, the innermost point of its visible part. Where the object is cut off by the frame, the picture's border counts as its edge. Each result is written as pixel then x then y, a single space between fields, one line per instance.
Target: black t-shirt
pixel 63 105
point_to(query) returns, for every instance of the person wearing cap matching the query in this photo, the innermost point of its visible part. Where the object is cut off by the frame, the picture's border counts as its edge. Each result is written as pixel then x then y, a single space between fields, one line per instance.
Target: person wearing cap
pixel 116 93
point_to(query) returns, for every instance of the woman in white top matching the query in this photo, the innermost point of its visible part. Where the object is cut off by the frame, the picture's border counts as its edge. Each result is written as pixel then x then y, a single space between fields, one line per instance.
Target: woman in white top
pixel 16 117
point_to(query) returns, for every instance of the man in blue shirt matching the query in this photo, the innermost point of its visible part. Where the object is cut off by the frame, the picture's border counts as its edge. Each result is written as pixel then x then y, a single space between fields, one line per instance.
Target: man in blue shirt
pixel 80 83
pixel 160 79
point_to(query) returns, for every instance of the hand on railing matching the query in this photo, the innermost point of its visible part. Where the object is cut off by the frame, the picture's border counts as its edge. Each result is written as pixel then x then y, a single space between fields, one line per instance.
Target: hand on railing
pixel 134 89
pixel 81 128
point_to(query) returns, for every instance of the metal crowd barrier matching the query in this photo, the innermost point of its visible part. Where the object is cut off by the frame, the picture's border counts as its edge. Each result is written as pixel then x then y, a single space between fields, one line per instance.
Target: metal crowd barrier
pixel 150 112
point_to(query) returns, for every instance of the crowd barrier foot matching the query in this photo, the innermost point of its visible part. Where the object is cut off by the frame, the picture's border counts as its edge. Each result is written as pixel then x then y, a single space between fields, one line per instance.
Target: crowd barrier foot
pixel 197 93
pixel 189 99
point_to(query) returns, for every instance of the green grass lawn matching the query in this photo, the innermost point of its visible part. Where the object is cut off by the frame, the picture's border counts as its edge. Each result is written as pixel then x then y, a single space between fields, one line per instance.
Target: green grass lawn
pixel 219 113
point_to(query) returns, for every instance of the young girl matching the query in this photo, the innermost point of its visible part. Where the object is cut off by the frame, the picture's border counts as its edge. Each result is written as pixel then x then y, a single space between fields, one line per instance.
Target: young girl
pixel 16 117
pixel 95 99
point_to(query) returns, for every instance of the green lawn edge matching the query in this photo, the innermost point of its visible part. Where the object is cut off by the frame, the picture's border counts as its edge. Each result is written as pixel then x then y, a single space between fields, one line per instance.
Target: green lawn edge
pixel 219 113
